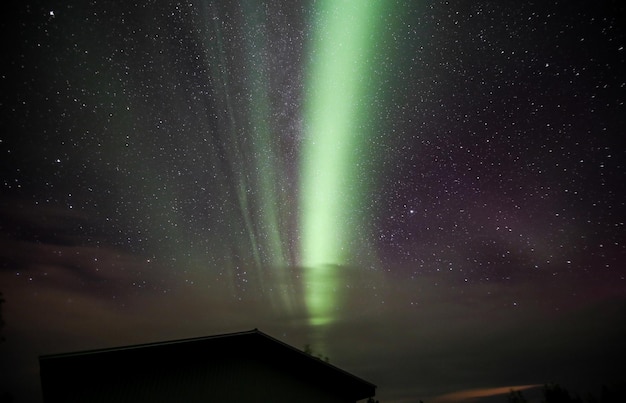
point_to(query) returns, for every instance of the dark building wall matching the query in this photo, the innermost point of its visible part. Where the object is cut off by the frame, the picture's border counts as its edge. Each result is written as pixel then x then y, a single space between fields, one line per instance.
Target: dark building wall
pixel 236 379
pixel 245 367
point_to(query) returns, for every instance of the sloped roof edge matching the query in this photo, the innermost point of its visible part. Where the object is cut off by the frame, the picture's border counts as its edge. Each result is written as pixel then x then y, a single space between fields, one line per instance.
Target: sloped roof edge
pixel 248 333
pixel 147 345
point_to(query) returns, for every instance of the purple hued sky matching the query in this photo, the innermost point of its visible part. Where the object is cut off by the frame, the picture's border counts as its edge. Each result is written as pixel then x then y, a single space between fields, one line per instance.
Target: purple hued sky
pixel 430 193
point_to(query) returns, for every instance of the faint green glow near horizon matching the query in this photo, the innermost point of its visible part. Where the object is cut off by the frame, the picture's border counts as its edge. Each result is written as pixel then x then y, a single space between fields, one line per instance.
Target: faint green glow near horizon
pixel 335 89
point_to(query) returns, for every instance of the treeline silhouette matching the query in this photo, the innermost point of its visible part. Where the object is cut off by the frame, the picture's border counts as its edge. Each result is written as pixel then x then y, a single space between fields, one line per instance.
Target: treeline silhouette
pixel 554 393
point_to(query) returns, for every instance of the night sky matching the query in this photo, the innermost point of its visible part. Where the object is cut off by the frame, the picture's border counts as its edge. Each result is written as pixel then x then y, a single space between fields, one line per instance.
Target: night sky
pixel 430 193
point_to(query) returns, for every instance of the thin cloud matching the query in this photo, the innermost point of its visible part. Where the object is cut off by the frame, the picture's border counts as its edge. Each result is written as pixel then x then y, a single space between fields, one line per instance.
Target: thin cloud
pixel 470 394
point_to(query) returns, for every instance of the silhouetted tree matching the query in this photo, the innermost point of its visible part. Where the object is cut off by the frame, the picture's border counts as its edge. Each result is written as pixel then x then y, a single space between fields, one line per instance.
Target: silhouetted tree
pixel 5 397
pixel 554 393
pixel 1 318
pixel 516 396
pixel 309 351
pixel 616 393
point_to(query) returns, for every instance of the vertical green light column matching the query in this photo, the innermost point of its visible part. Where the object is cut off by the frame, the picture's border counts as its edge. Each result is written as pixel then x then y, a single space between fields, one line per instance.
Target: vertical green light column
pixel 336 89
pixel 266 157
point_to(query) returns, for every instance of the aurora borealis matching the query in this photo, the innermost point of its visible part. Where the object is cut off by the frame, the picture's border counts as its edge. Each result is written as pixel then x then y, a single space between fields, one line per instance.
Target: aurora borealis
pixel 430 193
pixel 330 195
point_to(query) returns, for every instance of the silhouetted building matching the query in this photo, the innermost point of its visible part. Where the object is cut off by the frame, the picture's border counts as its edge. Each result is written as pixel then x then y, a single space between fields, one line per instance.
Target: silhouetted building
pixel 238 367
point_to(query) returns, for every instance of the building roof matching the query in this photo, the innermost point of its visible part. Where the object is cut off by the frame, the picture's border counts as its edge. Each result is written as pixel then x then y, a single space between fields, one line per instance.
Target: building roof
pixel 253 343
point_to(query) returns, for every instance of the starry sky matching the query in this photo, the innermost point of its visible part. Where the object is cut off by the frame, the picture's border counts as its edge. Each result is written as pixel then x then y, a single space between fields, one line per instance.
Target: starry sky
pixel 430 193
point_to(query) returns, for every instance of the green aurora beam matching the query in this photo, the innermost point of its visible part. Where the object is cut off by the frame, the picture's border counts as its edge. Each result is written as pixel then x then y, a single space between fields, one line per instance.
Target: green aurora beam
pixel 336 92
pixel 266 158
